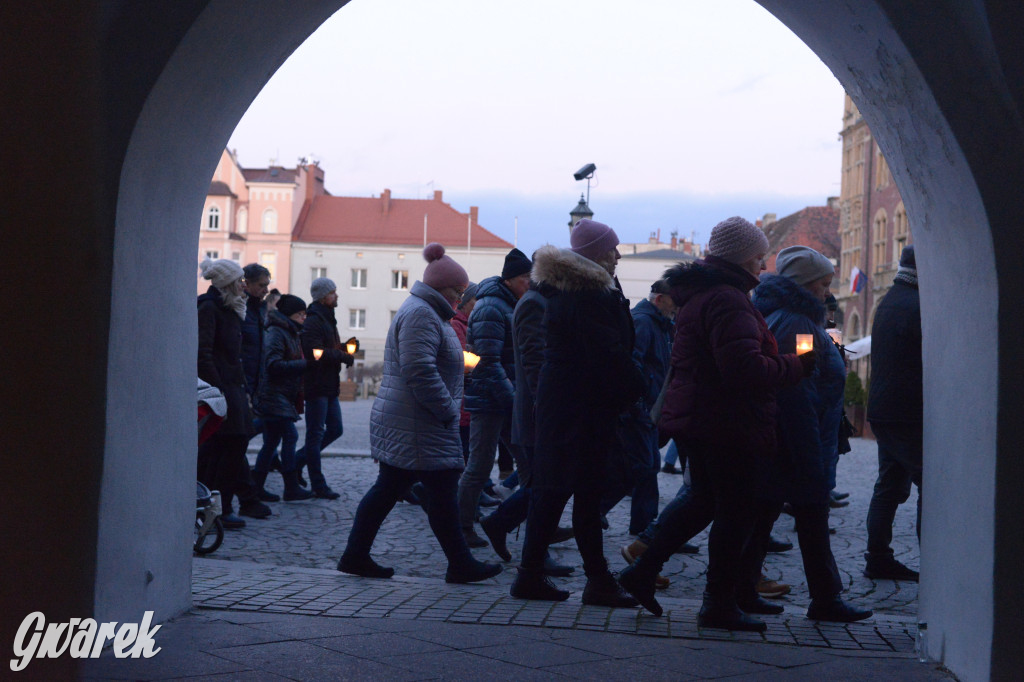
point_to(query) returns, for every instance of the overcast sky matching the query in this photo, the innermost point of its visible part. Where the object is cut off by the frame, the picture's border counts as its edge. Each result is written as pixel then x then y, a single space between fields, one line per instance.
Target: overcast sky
pixel 692 111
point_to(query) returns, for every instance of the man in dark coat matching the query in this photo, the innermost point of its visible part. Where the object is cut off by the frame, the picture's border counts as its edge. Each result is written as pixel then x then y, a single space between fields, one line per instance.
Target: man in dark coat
pixel 490 393
pixel 321 382
pixel 895 410
pixel 588 378
pixel 721 403
pixel 256 283
pixel 221 462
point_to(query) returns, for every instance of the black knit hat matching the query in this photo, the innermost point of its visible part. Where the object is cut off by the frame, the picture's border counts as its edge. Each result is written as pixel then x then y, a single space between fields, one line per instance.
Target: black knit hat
pixel 907 258
pixel 516 263
pixel 288 305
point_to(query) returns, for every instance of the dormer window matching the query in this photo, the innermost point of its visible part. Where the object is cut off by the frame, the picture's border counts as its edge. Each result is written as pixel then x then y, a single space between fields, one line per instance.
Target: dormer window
pixel 213 218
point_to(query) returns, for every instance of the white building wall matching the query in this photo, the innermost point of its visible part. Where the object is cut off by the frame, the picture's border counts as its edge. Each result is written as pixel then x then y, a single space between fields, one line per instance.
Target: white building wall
pixel 636 275
pixel 378 299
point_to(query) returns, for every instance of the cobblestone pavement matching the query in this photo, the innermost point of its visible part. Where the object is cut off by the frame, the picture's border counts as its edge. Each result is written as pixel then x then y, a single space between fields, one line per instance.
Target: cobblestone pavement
pixel 312 534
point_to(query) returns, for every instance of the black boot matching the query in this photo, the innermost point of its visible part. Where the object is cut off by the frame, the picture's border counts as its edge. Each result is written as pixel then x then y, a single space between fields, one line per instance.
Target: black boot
pixel 638 579
pixel 497 536
pixel 602 590
pixel 364 566
pixel 755 604
pixel 534 585
pixel 836 611
pixel 260 478
pixel 723 613
pixel 471 572
pixel 292 490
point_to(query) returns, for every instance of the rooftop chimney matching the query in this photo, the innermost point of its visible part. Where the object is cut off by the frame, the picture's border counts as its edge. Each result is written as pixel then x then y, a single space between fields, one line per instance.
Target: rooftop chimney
pixel 437 195
pixel 474 213
pixel 675 242
pixel 386 200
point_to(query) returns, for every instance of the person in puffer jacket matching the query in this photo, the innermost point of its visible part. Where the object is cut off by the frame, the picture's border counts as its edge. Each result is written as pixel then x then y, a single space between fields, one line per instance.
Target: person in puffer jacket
pixel 721 402
pixel 279 396
pixel 490 394
pixel 414 424
pixel 793 302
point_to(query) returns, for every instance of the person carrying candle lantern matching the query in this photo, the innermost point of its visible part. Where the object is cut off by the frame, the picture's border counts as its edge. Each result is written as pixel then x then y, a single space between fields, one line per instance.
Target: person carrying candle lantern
pixel 792 302
pixel 490 394
pixel 321 382
pixel 587 379
pixel 414 424
pixel 720 403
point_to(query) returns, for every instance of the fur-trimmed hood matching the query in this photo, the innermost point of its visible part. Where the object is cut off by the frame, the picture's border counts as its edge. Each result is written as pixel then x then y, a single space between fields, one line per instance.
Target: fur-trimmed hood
pixel 776 292
pixel 565 270
pixel 687 279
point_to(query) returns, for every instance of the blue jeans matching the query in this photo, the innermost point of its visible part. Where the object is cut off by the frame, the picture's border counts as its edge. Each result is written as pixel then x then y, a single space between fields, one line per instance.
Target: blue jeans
pixel 485 430
pixel 439 504
pixel 278 431
pixel 323 427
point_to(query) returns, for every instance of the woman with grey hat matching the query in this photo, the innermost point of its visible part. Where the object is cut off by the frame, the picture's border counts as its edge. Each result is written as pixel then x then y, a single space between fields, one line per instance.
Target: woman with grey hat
pixel 793 303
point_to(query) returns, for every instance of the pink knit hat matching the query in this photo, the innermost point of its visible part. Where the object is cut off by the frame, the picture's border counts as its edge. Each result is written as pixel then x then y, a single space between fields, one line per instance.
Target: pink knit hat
pixel 592 239
pixel 441 270
pixel 737 240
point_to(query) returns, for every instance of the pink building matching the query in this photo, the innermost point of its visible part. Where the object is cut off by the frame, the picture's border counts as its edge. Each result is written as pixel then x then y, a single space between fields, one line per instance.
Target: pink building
pixel 250 213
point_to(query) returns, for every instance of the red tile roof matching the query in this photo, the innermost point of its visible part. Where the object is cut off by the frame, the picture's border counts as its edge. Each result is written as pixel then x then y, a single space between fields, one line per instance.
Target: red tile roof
pixel 814 226
pixel 272 174
pixel 383 220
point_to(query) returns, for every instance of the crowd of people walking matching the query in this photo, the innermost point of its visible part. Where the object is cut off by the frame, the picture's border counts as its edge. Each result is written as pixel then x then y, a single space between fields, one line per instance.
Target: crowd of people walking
pixel 729 366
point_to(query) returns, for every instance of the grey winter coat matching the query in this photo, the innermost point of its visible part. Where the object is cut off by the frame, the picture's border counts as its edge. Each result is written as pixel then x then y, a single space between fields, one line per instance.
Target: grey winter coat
pixel 414 422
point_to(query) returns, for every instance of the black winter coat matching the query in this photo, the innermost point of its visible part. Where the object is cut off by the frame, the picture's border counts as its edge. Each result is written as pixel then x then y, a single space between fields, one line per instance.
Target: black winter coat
pixel 252 341
pixel 323 376
pixel 490 336
pixel 528 333
pixel 220 360
pixel 281 370
pixel 897 379
pixel 588 377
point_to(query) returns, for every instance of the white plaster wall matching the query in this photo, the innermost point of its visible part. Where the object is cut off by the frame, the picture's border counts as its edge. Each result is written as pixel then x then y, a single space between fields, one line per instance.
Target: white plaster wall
pixel 146 498
pixel 636 275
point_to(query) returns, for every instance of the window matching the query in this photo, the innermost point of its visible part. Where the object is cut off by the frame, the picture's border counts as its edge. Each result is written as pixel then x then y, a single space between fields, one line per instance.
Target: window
pixel 243 221
pixel 358 278
pixel 269 221
pixel 879 234
pixel 400 279
pixel 391 315
pixel 236 256
pixel 268 259
pixel 213 218
pixel 883 178
pixel 319 272
pixel 212 255
pixel 900 232
pixel 356 318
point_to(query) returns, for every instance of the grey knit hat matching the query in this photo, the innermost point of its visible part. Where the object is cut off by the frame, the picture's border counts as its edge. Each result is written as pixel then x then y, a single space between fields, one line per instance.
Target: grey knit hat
pixel 736 240
pixel 320 287
pixel 468 295
pixel 803 265
pixel 221 273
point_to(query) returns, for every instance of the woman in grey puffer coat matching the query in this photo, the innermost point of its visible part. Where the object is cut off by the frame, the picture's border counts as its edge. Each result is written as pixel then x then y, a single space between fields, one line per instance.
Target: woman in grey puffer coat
pixel 414 424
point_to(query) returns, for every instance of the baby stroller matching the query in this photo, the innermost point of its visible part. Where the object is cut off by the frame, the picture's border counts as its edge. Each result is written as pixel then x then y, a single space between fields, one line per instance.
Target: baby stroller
pixel 209 530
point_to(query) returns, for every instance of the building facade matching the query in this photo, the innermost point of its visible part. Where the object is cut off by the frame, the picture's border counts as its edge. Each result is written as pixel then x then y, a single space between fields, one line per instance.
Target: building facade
pixel 873 226
pixel 814 226
pixel 372 247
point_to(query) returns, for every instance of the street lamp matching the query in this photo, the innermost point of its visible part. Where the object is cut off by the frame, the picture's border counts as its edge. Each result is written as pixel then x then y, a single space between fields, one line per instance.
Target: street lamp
pixel 579 213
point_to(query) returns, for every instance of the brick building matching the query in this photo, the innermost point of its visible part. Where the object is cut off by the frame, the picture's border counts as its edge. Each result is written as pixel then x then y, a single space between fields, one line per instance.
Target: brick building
pixel 814 226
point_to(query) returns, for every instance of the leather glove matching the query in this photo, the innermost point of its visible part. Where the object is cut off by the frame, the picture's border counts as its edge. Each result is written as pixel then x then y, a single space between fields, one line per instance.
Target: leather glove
pixel 347 359
pixel 808 361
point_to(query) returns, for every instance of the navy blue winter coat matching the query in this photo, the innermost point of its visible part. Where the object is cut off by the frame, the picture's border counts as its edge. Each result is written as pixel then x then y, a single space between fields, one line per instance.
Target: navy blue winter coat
pixel 652 349
pixel 490 336
pixel 252 341
pixel 808 413
pixel 281 369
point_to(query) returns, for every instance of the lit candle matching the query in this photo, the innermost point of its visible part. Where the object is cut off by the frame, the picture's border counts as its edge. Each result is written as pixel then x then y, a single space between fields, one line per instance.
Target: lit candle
pixel 318 353
pixel 470 359
pixel 804 343
pixel 350 347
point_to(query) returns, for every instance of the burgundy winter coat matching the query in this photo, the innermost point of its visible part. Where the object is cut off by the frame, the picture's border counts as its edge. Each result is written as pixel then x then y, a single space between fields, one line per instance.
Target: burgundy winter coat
pixel 726 365
pixel 460 323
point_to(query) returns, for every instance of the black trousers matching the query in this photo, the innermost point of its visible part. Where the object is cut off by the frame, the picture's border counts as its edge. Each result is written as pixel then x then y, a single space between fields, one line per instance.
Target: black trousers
pixel 823 580
pixel 900 447
pixel 546 506
pixel 221 465
pixel 722 494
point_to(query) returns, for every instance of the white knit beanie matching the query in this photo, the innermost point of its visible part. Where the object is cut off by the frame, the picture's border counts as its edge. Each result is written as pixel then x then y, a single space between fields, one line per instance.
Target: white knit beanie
pixel 221 273
pixel 737 240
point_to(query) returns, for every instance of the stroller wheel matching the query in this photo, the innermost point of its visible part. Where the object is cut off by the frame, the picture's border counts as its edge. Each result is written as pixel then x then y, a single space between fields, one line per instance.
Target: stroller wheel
pixel 210 540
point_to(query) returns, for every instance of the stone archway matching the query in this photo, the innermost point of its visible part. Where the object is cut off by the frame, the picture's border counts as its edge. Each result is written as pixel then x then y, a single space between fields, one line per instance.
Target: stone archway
pixel 158 94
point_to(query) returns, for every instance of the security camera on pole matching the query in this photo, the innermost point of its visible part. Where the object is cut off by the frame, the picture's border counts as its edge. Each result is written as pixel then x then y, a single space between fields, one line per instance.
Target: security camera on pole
pixel 582 209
